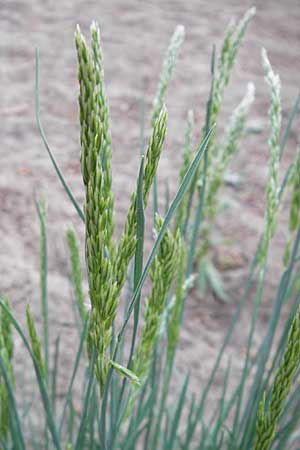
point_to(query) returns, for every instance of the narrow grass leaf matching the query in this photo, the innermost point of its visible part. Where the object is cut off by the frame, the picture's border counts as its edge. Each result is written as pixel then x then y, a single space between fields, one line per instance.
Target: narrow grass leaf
pixel 79 445
pixel 14 409
pixel 43 389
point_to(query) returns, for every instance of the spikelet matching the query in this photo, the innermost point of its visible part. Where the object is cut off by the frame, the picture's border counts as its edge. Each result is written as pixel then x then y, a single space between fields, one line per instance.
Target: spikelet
pixel 274 85
pixel 168 66
pixel 267 420
pixel 162 274
pixel 35 342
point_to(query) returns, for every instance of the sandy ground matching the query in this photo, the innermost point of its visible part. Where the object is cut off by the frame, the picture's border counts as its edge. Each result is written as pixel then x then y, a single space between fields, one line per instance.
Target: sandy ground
pixel 135 35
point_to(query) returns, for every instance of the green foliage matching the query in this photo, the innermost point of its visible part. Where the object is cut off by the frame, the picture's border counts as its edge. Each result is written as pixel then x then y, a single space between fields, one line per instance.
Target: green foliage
pixel 126 403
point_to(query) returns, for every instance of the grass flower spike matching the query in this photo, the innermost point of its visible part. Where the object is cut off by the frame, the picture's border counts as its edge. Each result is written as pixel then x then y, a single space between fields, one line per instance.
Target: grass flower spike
pixel 127 242
pixel 168 66
pixel 274 84
pixel 99 202
pixel 232 42
pixel 162 274
pixel 267 420
pixel 233 133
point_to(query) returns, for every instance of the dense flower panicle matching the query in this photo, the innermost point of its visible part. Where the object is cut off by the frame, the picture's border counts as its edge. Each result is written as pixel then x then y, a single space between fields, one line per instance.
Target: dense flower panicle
pixel 162 274
pixel 94 120
pixel 127 244
pixel 105 150
pixel 275 118
pixel 227 150
pixel 168 66
pixel 95 164
pixel 267 420
pixel 232 42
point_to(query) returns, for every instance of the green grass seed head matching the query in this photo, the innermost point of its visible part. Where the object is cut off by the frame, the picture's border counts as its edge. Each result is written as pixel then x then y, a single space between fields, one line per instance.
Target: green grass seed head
pixel 162 274
pixel 275 118
pixel 167 70
pixel 231 45
pixel 35 342
pixel 228 149
pixel 127 244
pixel 267 419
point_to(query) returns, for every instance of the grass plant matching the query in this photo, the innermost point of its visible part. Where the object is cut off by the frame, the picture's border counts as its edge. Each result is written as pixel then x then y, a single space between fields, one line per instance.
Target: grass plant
pixel 126 401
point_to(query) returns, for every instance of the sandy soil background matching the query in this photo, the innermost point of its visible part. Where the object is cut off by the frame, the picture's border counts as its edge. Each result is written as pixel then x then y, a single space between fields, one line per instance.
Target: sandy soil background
pixel 135 35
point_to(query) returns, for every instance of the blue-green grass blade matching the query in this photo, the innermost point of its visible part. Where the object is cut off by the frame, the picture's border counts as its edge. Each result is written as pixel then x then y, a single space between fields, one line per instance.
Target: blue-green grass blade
pixel 71 421
pixel 33 436
pixel 289 126
pixel 75 368
pixel 47 146
pixel 229 332
pixel 154 378
pixel 79 445
pixel 177 415
pixel 43 281
pixel 18 433
pixel 42 386
pixel 54 373
pixel 257 301
pixel 131 443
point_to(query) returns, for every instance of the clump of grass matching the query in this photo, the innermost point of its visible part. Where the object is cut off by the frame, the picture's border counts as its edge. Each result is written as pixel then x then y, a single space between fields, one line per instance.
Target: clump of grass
pixel 125 394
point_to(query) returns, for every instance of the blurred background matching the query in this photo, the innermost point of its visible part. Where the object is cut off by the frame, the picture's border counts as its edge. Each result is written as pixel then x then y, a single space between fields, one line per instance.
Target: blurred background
pixel 135 36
